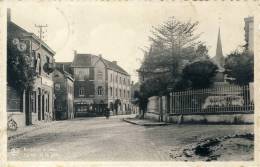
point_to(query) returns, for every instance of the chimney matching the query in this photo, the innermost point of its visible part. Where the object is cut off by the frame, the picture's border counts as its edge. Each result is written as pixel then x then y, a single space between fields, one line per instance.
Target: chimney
pixel 75 52
pixel 100 55
pixel 115 62
pixel 8 14
pixel 63 69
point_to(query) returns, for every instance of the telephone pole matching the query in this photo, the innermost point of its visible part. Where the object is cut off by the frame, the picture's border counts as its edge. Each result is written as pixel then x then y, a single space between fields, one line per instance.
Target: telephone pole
pixel 41 32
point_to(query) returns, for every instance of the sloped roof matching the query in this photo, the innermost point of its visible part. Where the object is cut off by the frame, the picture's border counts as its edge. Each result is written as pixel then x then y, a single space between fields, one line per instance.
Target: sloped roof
pixel 114 67
pixel 15 30
pixel 65 74
pixel 81 60
pixel 86 60
pixel 64 66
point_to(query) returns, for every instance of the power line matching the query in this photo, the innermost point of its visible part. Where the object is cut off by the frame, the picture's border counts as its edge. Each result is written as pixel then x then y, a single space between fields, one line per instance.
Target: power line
pixel 41 30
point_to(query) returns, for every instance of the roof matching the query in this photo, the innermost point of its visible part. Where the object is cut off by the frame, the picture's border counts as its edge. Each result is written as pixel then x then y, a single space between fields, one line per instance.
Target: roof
pixel 31 35
pixel 114 67
pixel 89 60
pixel 66 74
pixel 81 60
pixel 64 66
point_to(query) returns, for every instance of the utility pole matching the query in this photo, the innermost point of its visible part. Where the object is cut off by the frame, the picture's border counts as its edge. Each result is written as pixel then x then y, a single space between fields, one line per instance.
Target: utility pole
pixel 41 32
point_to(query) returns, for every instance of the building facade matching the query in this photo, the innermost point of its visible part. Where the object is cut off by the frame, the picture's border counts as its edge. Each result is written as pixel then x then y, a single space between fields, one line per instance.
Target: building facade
pixel 36 105
pixel 98 84
pixel 249 33
pixel 64 95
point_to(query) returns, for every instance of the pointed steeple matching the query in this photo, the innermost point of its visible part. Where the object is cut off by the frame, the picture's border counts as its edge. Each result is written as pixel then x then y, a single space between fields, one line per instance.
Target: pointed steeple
pixel 219 52
pixel 219 58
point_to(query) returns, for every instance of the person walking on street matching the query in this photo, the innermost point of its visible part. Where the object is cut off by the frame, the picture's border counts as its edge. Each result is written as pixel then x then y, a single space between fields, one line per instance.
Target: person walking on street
pixel 107 113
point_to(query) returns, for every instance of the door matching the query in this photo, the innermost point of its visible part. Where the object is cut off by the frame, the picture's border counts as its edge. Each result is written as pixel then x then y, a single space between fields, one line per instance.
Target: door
pixel 39 106
pixel 43 107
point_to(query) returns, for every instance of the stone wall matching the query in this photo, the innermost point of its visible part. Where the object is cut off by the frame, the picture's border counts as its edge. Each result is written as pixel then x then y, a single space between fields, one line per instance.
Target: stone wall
pixel 14 110
pixel 153 108
pixel 213 119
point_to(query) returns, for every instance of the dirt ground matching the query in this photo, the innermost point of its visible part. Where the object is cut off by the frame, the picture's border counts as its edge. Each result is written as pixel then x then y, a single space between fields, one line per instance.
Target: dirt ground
pixel 100 139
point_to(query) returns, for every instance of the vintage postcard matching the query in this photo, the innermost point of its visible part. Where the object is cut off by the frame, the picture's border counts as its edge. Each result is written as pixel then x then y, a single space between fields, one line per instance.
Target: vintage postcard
pixel 129 83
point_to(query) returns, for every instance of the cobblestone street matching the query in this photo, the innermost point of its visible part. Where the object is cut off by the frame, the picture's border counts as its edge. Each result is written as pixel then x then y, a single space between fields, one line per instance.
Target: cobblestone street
pixel 113 140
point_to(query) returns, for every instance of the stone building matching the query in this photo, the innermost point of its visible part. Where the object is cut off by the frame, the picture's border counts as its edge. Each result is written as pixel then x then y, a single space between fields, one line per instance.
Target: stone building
pixel 36 105
pixel 99 83
pixel 64 94
pixel 249 33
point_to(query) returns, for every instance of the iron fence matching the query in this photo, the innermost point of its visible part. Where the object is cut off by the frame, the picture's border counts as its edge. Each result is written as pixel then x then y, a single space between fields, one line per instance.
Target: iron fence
pixel 223 99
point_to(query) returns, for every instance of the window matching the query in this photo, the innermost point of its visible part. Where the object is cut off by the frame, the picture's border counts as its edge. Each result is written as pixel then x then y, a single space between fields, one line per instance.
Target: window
pixel 124 93
pixel 59 108
pixel 111 91
pixel 120 80
pixel 81 76
pixel 82 73
pixel 33 59
pixel 38 64
pixel 111 78
pixel 116 91
pixel 120 95
pixel 128 94
pixel 124 81
pixel 57 86
pixel 100 75
pixel 81 91
pixel 116 79
pixel 47 59
pixel 100 90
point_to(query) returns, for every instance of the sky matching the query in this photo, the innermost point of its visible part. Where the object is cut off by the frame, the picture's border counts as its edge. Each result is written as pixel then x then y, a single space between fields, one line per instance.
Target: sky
pixel 120 30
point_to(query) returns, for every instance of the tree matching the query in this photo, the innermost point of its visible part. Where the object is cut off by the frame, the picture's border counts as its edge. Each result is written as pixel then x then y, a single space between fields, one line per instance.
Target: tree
pixel 239 67
pixel 173 45
pixel 200 73
pixel 20 74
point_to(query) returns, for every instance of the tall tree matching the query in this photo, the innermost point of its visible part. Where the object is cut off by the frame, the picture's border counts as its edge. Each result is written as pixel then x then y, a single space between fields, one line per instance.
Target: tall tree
pixel 173 45
pixel 239 67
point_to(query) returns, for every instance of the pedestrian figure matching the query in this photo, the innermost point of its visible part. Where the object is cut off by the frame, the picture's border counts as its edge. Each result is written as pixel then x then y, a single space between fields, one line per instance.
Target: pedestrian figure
pixel 107 112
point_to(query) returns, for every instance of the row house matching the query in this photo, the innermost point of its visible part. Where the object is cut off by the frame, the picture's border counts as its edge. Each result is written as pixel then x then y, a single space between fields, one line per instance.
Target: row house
pixel 98 84
pixel 64 94
pixel 36 105
pixel 119 93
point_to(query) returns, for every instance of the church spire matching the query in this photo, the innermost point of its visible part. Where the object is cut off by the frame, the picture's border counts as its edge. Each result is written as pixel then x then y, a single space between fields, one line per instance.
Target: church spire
pixel 219 52
pixel 219 58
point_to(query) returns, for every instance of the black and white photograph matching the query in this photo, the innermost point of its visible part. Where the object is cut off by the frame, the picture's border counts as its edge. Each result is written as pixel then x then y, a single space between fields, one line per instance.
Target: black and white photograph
pixel 130 81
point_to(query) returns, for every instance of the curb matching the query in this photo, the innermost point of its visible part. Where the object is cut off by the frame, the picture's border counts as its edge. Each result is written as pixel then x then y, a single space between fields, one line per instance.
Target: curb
pixel 25 132
pixel 145 124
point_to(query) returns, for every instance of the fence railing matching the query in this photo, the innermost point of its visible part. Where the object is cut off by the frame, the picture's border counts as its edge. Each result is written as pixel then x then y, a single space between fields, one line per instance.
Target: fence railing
pixel 223 99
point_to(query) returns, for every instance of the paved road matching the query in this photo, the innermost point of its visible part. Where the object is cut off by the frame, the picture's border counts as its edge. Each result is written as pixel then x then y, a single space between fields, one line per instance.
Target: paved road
pixel 111 140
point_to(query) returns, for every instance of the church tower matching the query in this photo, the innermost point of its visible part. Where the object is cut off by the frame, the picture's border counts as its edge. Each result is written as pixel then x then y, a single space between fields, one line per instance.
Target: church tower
pixel 219 59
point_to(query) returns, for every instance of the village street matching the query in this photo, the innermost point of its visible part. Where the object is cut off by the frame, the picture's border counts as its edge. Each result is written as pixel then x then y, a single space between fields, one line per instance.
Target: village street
pixel 116 140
